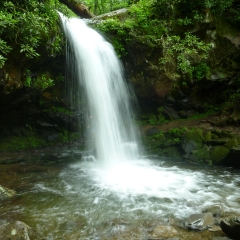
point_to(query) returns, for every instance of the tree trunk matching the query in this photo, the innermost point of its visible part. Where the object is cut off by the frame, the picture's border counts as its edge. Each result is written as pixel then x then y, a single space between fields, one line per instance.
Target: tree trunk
pixel 78 8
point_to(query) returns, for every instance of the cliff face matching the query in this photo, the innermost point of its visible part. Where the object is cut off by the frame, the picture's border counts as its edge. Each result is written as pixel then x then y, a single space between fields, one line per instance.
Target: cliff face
pixel 204 83
pixel 177 69
pixel 34 108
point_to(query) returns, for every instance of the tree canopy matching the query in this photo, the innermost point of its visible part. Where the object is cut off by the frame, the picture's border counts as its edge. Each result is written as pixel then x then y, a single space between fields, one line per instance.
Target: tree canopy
pixel 30 27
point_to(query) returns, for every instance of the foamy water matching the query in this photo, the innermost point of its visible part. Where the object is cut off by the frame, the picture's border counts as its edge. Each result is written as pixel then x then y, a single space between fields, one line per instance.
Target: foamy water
pixel 181 191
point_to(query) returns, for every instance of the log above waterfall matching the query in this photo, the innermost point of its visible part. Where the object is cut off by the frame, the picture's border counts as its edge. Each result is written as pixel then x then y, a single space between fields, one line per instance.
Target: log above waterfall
pixel 78 8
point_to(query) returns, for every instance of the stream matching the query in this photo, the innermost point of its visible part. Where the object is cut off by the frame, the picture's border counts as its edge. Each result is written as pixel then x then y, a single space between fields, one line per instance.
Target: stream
pixel 81 199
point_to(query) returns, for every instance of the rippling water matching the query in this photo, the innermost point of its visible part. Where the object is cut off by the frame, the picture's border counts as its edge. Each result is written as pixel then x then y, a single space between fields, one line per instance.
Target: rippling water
pixel 83 200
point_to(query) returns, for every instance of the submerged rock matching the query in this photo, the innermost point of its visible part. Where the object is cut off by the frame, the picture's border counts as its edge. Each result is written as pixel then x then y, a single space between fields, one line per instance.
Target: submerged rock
pixel 6 192
pixel 163 232
pixel 16 231
pixel 200 221
pixel 216 210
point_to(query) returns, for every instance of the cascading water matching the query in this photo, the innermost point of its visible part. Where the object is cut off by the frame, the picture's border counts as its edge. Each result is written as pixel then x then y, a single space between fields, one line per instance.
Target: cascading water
pixel 99 72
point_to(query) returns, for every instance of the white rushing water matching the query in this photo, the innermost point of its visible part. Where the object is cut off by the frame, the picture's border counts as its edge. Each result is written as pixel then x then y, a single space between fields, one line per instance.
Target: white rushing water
pixel 99 71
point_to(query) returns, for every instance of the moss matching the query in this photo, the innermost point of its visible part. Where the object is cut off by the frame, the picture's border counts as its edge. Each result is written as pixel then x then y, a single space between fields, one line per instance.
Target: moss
pixel 67 136
pixel 21 143
pixel 172 153
pixel 219 153
pixel 207 136
pixel 232 143
pixel 193 140
pixel 202 153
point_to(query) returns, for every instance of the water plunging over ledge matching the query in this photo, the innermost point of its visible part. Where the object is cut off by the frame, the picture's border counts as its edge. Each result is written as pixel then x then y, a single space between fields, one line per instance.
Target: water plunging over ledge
pixel 99 72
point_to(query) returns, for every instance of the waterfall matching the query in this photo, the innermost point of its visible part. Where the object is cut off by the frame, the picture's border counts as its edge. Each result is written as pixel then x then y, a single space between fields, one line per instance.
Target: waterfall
pixel 93 62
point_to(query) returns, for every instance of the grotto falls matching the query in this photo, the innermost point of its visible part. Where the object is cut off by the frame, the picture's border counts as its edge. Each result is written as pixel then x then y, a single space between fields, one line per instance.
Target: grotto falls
pixel 116 191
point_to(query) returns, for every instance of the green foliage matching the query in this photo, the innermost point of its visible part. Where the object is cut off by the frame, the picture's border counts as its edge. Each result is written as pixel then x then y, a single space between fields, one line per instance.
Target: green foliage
pixel 67 136
pixel 61 110
pixel 41 82
pixel 20 143
pixel 188 55
pixel 177 132
pixel 158 118
pixel 141 22
pixel 104 6
pixel 145 21
pixel 201 71
pixel 114 27
pixel 28 79
pixel 29 28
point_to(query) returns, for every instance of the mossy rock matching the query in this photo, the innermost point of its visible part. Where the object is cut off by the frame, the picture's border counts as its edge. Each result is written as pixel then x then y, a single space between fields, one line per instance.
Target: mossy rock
pixel 237 136
pixel 218 141
pixel 219 153
pixel 172 153
pixel 192 140
pixel 202 153
pixel 224 134
pixel 231 143
pixel 207 136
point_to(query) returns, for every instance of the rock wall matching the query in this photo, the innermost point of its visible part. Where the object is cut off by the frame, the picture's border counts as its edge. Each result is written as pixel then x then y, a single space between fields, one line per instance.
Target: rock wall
pixel 34 108
pixel 182 96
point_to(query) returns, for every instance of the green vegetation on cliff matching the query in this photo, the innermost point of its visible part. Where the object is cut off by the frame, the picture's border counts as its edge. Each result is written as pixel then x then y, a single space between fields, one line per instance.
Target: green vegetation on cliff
pixel 29 29
pixel 173 26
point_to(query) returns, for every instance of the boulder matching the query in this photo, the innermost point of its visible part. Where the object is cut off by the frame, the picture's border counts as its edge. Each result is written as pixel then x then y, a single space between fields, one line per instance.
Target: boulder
pixel 219 154
pixel 163 232
pixel 16 230
pixel 6 193
pixel 200 154
pixel 192 140
pixel 231 227
pixel 200 221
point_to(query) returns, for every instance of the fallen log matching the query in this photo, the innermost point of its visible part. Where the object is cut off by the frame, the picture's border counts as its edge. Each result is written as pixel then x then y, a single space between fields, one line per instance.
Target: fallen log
pixel 78 8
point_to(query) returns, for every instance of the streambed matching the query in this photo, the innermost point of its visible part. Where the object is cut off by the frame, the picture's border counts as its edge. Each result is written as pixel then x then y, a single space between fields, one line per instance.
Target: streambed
pixel 84 200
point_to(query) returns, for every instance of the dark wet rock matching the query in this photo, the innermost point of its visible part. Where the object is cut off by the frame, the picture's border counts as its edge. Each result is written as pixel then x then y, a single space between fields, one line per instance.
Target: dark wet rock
pixel 218 141
pixel 152 131
pixel 233 157
pixel 192 140
pixel 200 221
pixel 219 154
pixel 16 230
pixel 6 193
pixel 200 154
pixel 231 227
pixel 171 113
pixel 163 232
